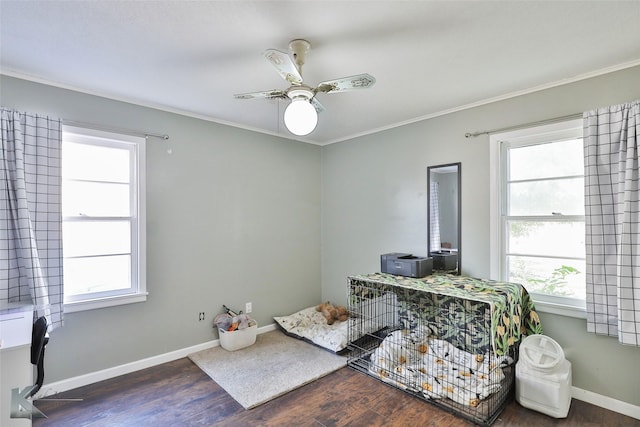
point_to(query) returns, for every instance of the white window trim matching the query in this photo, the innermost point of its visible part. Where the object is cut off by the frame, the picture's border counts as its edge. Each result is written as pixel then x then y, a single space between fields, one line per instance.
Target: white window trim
pixel 569 307
pixel 140 294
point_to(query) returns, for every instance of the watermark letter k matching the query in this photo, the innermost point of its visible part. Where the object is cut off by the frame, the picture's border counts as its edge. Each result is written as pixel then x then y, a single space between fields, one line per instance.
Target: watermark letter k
pixel 21 407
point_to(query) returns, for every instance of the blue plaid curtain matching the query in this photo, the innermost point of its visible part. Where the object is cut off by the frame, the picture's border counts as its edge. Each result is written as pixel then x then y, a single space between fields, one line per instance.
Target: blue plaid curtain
pixel 612 220
pixel 31 213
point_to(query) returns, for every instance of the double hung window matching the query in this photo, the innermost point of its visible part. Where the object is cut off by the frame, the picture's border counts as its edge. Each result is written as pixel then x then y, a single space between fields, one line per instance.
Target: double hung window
pixel 538 214
pixel 103 218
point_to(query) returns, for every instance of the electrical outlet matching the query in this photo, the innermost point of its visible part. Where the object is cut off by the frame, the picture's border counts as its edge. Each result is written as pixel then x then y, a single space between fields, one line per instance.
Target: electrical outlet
pixel 201 316
pixel 247 308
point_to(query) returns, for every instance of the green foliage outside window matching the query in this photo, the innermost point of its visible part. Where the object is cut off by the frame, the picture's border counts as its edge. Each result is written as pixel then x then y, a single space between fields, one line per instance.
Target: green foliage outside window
pixel 554 285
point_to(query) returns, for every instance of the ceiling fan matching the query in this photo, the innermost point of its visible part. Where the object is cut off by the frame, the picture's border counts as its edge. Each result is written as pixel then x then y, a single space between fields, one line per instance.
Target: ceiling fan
pixel 301 115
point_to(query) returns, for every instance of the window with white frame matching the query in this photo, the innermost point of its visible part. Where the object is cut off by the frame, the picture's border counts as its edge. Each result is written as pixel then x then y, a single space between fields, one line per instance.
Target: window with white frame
pixel 538 229
pixel 103 208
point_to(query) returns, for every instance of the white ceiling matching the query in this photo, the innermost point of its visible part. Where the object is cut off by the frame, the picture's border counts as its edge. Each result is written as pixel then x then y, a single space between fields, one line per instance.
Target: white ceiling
pixel 429 57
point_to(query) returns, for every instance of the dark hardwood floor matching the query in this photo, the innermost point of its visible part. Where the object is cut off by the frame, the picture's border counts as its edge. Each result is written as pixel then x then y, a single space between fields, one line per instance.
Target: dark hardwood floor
pixel 178 393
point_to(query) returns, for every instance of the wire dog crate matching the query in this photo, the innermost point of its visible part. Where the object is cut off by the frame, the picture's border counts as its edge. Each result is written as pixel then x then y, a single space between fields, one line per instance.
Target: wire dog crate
pixel 446 339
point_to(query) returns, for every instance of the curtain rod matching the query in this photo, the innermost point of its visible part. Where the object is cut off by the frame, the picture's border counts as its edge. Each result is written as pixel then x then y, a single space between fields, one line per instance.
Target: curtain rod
pixel 114 129
pixel 524 125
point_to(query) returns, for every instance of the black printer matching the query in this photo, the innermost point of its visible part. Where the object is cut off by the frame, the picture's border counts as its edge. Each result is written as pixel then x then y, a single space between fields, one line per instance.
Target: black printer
pixel 408 265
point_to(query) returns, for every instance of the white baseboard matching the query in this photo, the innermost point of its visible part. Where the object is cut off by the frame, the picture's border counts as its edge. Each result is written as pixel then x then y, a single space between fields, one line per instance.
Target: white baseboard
pixel 606 402
pixel 105 374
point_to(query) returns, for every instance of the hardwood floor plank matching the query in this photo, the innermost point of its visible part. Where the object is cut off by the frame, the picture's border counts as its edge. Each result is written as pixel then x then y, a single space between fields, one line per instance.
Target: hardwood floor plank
pixel 178 393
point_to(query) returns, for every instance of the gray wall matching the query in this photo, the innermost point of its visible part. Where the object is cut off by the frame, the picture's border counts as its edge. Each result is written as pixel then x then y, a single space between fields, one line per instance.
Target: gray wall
pixel 374 202
pixel 232 216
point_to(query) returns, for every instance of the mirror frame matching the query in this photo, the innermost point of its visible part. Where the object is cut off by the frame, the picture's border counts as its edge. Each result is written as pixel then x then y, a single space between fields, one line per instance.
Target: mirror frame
pixel 459 201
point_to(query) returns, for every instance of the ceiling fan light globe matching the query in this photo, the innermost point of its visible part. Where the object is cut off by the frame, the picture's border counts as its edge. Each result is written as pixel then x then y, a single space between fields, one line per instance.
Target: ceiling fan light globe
pixel 300 117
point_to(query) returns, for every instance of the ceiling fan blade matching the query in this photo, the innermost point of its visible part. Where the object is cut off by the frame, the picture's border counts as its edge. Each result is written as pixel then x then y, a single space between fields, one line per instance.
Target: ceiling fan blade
pixel 316 104
pixel 269 94
pixel 285 66
pixel 360 81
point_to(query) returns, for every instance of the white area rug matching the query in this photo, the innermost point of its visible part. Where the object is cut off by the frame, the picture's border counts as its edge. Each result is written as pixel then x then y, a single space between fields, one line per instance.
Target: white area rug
pixel 273 366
